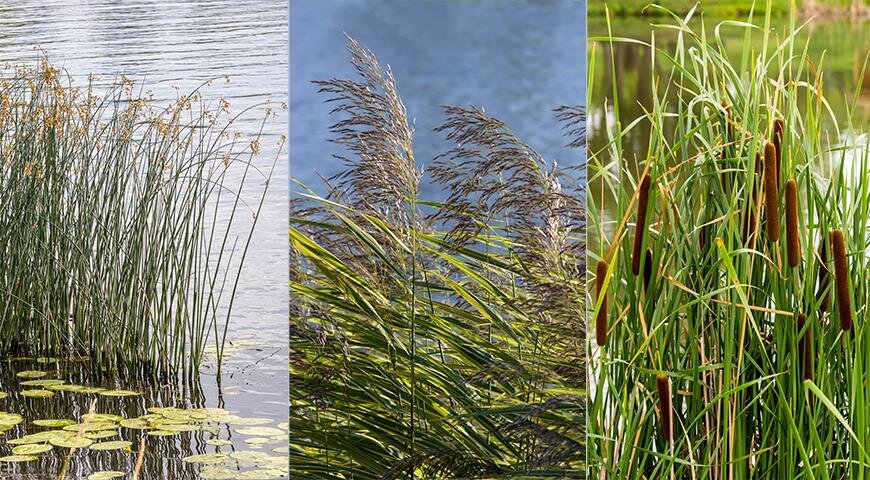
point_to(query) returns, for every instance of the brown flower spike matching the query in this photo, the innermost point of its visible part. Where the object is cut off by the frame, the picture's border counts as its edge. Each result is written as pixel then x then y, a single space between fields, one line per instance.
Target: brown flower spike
pixel 805 348
pixel 601 318
pixel 792 235
pixel 663 384
pixel 778 138
pixel 640 225
pixel 841 278
pixel 771 202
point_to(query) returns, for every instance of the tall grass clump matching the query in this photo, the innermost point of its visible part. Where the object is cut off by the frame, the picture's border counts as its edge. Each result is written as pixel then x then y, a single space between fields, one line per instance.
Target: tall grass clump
pixel 730 363
pixel 436 338
pixel 123 225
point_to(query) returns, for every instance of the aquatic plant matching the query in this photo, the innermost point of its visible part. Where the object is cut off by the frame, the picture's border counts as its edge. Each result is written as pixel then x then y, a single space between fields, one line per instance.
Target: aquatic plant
pixel 436 338
pixel 765 380
pixel 123 225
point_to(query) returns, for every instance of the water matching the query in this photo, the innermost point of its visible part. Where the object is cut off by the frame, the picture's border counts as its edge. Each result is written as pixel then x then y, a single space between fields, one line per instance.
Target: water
pixel 845 45
pixel 164 45
pixel 517 60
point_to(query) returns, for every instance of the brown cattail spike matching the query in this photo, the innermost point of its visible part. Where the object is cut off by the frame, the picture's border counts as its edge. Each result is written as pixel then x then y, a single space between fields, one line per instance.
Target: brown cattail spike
pixel 792 235
pixel 663 384
pixel 601 318
pixel 778 138
pixel 771 202
pixel 640 226
pixel 805 348
pixel 824 277
pixel 841 279
pixel 647 268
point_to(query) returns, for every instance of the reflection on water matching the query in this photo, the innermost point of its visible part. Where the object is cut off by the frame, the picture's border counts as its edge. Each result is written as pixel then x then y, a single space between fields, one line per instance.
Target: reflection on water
pixel 171 48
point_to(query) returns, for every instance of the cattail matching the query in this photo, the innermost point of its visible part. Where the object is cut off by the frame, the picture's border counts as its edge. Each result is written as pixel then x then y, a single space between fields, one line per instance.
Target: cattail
pixel 824 277
pixel 771 204
pixel 841 279
pixel 663 383
pixel 805 348
pixel 792 237
pixel 601 319
pixel 647 268
pixel 640 226
pixel 778 137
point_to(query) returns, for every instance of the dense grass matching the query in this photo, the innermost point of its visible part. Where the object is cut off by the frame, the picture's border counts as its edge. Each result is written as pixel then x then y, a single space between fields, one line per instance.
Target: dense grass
pixel 744 356
pixel 121 226
pixel 436 339
pixel 727 8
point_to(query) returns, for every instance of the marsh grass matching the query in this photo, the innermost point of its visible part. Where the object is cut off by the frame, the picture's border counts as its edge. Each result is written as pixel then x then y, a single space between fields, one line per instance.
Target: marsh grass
pixel 123 225
pixel 767 381
pixel 436 339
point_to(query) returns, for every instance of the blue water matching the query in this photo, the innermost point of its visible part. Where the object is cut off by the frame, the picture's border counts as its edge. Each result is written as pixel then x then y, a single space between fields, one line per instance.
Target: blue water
pixel 516 59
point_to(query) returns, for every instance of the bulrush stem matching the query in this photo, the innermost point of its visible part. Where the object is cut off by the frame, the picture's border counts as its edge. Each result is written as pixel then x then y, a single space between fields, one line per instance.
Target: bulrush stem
pixel 723 178
pixel 792 235
pixel 771 202
pixel 805 348
pixel 640 225
pixel 601 318
pixel 663 383
pixel 841 278
pixel 778 137
pixel 749 214
pixel 824 277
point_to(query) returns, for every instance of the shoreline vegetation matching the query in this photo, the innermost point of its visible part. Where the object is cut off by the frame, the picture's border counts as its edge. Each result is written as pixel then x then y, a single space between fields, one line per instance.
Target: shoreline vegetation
pixel 732 284
pixel 830 9
pixel 124 224
pixel 437 339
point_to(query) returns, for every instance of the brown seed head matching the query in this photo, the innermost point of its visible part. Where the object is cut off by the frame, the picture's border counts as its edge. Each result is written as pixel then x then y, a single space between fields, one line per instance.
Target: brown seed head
pixel 792 235
pixel 601 318
pixel 778 140
pixel 640 225
pixel 805 348
pixel 771 202
pixel 841 279
pixel 647 268
pixel 663 384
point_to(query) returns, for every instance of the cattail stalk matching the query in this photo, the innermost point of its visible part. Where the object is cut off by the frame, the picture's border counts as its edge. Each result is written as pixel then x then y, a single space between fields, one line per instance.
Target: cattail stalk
pixel 824 277
pixel 841 278
pixel 601 318
pixel 792 235
pixel 778 138
pixel 749 222
pixel 771 202
pixel 805 348
pixel 640 225
pixel 663 384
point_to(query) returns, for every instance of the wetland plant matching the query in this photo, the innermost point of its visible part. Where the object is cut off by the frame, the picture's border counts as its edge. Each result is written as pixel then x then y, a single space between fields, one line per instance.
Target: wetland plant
pixel 436 339
pixel 769 381
pixel 123 225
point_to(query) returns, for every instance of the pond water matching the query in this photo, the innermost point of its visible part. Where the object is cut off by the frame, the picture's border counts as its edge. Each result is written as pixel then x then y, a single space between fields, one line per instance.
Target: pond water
pixel 845 44
pixel 167 45
pixel 518 60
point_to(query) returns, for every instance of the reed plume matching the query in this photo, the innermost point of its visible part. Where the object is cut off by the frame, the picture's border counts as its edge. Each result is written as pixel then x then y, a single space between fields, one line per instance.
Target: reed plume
pixel 792 235
pixel 841 278
pixel 771 202
pixel 601 319
pixel 573 118
pixel 640 225
pixel 663 384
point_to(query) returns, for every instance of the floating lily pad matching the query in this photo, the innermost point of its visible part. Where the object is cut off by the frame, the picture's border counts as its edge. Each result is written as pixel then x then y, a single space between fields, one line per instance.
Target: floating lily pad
pixel 31 374
pixel 116 445
pixel 75 388
pixel 41 437
pixel 218 442
pixel 206 458
pixel 71 442
pixel 31 449
pixel 119 393
pixel 54 423
pixel 18 458
pixel 42 383
pixel 3 395
pixel 106 475
pixel 162 433
pixel 10 419
pixel 37 393
pixel 135 423
pixel 100 435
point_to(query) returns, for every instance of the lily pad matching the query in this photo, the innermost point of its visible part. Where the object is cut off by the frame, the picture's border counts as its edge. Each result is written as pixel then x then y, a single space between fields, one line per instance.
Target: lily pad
pixel 31 374
pixel 119 393
pixel 206 458
pixel 37 393
pixel 116 445
pixel 31 449
pixel 71 442
pixel 54 423
pixel 260 431
pixel 42 383
pixel 106 475
pixel 18 458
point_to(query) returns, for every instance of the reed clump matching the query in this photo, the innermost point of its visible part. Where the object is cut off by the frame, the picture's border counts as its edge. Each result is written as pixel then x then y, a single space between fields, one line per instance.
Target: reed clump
pixel 436 338
pixel 118 221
